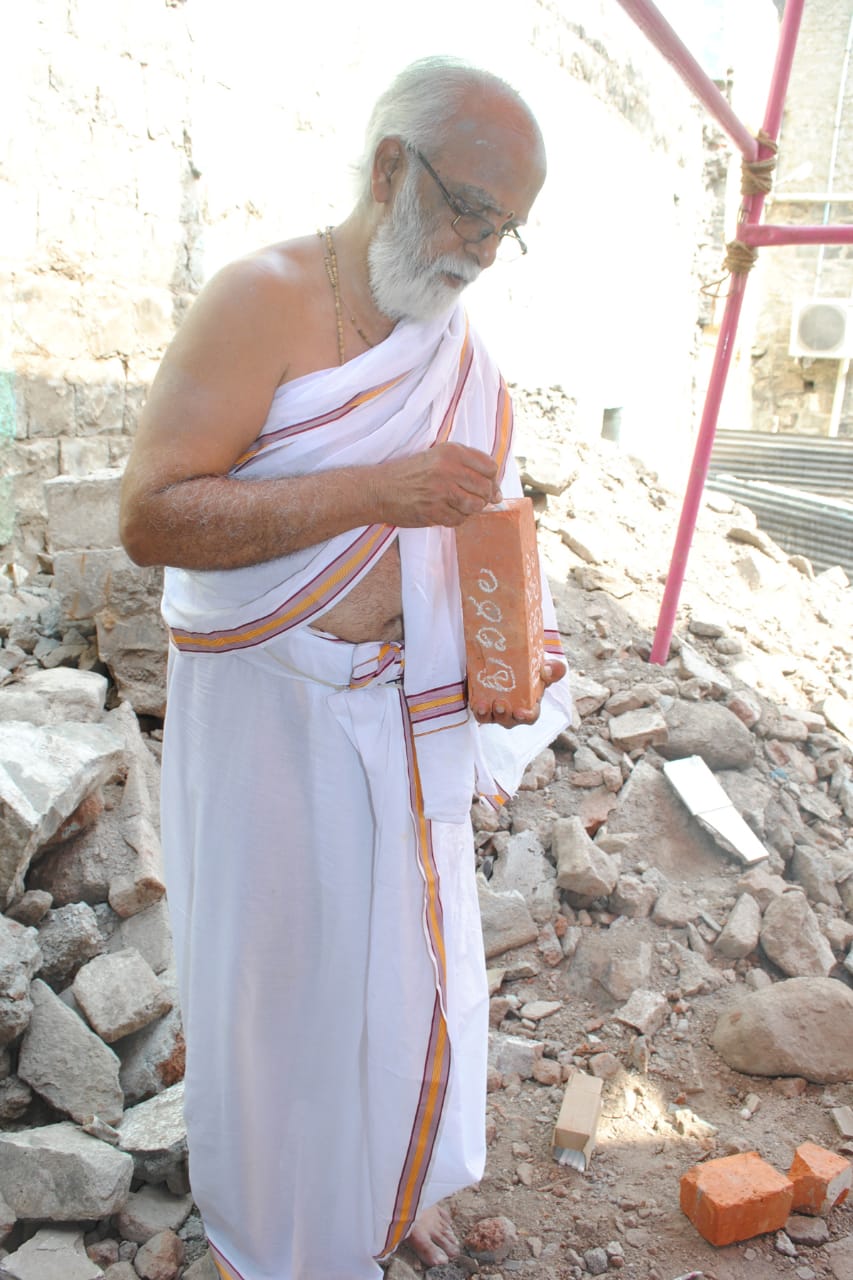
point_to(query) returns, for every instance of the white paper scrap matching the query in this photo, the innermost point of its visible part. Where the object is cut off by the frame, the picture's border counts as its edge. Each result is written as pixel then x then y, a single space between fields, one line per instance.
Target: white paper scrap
pixel 707 801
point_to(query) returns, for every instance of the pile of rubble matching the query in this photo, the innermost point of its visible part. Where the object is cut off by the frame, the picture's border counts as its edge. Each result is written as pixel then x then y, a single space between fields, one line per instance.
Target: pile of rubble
pixel 627 936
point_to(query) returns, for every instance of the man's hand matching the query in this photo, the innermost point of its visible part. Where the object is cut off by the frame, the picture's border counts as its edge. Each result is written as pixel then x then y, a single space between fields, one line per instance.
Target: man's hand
pixel 501 712
pixel 443 486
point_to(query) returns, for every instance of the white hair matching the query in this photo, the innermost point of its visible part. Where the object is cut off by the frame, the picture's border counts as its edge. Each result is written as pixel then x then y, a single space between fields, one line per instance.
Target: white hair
pixel 419 104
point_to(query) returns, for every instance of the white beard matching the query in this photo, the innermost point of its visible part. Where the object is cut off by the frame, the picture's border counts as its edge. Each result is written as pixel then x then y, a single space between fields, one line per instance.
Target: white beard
pixel 405 281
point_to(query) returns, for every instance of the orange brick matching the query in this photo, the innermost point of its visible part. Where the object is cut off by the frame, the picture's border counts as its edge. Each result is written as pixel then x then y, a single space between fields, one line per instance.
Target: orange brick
pixel 821 1178
pixel 736 1198
pixel 502 604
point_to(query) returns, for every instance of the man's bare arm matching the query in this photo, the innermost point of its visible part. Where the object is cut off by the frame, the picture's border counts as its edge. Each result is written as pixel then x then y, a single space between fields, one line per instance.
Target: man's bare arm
pixel 207 405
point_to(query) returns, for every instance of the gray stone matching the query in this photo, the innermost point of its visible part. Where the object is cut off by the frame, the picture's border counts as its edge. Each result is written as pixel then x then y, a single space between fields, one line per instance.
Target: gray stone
pixel 60 1174
pixel 674 908
pixel 645 1010
pixel 582 868
pixel 615 960
pixel 639 729
pixel 539 772
pixel 93 580
pixel 761 885
pixel 119 993
pixel 521 865
pixel 149 932
pixel 204 1268
pixel 695 974
pixel 839 1255
pixel 693 667
pixel 798 1027
pixel 45 773
pixel 806 1230
pixel 15 1098
pixel 671 839
pixel 154 1133
pixel 513 1055
pixel 709 730
pixel 153 1058
pixel 68 937
pixel 31 907
pixel 792 939
pixel 19 959
pixel 66 1063
pixel 587 695
pixel 506 920
pixel 633 897
pixel 161 1257
pixel 83 510
pixel 151 1210
pixel 135 648
pixel 814 871
pixel 55 696
pixel 53 1253
pixel 739 937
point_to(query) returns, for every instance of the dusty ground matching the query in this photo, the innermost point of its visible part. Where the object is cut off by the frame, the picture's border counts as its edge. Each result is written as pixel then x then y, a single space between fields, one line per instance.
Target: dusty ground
pixel 796 649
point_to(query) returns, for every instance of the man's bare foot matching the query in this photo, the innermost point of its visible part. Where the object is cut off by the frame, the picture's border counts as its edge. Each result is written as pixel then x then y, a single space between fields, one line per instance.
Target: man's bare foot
pixel 432 1236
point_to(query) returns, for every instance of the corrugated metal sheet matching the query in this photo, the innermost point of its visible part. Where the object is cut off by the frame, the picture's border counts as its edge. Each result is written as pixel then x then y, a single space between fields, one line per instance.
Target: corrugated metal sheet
pixel 812 463
pixel 806 524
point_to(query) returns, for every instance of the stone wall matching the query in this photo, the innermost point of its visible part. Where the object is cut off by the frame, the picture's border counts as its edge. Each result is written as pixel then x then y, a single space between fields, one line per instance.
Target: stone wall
pixel 155 141
pixel 792 393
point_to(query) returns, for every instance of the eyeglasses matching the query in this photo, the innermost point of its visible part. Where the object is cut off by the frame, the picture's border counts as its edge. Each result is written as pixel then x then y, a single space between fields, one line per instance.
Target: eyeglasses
pixel 472 227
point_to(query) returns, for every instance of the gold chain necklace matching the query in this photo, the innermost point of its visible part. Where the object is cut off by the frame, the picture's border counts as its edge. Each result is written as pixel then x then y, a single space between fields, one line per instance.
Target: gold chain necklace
pixel 331 264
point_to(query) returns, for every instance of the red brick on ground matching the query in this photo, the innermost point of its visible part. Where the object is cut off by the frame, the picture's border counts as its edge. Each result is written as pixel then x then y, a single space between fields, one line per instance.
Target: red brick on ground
pixel 736 1198
pixel 821 1178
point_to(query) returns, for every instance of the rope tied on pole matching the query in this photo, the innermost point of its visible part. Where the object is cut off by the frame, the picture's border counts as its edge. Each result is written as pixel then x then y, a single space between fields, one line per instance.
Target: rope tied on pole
pixel 756 176
pixel 756 179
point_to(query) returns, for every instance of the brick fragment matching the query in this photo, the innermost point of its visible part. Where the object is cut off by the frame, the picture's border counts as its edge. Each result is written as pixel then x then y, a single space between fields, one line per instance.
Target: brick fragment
pixel 735 1198
pixel 821 1178
pixel 502 604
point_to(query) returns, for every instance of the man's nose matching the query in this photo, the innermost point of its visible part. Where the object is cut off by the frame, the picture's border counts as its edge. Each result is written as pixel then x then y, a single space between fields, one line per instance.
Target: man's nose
pixel 486 250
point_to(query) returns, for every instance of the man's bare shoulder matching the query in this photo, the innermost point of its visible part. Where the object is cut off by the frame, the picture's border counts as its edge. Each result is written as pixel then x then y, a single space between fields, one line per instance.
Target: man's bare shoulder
pixel 283 268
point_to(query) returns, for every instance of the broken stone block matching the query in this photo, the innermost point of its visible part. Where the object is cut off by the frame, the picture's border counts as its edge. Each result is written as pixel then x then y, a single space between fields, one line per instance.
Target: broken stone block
pixel 582 868
pixel 588 696
pixel 821 1178
pixel 645 1010
pixel 68 937
pixel 514 1055
pixel 616 960
pixel 150 1211
pixel 45 773
pixel 135 649
pixel 59 1174
pixel 815 872
pixel 521 865
pixel 149 933
pixel 791 937
pixel 739 937
pixel 798 1027
pixel 53 1253
pixel 19 959
pixel 66 1063
pixel 506 920
pixel 161 1257
pixel 735 1198
pixel 633 897
pixel 119 993
pixel 31 907
pixel 692 666
pixel 154 1133
pixel 639 729
pixel 54 696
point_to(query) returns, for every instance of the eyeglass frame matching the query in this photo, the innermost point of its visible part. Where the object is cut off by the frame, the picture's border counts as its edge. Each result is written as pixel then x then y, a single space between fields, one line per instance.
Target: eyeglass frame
pixel 453 202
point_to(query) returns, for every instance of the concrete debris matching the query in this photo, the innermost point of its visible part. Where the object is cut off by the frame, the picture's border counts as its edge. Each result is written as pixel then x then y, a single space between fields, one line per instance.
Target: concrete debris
pixel 623 933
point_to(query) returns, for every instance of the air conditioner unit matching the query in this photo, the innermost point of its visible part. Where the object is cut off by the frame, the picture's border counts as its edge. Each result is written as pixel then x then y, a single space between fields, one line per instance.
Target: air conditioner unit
pixel 822 328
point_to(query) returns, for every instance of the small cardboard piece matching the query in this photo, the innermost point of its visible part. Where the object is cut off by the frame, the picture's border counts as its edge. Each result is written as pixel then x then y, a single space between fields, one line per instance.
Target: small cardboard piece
pixel 501 590
pixel 579 1114
pixel 707 801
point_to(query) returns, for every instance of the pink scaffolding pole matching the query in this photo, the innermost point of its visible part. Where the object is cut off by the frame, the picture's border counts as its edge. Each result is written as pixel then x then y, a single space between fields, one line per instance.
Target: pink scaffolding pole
pixel 662 35
pixel 770 235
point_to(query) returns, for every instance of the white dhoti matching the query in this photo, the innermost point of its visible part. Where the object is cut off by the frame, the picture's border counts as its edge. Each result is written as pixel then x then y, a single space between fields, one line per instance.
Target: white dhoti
pixel 328 1095
pixel 319 860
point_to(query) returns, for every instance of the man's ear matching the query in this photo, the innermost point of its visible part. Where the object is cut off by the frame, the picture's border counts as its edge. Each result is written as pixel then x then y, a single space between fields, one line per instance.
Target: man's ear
pixel 388 160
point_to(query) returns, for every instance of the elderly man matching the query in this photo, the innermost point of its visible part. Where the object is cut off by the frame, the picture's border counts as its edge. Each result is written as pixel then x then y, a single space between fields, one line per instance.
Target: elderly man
pixel 320 423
